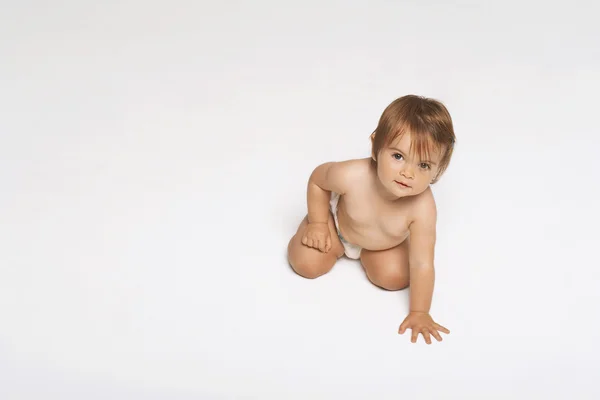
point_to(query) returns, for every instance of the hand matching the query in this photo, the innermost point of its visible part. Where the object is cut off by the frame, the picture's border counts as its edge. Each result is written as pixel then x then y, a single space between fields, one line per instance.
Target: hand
pixel 421 322
pixel 317 236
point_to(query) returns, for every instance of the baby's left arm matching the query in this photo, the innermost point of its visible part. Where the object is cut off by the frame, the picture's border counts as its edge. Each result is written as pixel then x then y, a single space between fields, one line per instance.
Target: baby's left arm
pixel 421 254
pixel 422 273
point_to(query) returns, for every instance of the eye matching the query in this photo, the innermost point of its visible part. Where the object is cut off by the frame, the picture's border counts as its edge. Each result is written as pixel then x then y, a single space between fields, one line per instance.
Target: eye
pixel 425 166
pixel 397 156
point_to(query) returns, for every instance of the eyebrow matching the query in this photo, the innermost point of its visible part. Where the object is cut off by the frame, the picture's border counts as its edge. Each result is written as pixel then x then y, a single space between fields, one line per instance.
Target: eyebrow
pixel 403 152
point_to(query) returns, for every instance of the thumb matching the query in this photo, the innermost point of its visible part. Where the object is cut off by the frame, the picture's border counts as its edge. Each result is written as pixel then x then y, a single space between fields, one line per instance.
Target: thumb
pixel 403 327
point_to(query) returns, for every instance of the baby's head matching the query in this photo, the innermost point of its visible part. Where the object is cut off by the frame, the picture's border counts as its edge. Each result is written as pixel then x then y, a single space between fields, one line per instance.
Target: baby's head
pixel 413 143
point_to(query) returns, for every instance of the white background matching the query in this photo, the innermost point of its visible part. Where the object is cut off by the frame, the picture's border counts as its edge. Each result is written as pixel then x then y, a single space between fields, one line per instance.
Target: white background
pixel 153 165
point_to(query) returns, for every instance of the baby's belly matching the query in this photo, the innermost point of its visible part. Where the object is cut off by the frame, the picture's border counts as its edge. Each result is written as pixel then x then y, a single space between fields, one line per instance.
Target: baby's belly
pixel 375 242
pixel 371 237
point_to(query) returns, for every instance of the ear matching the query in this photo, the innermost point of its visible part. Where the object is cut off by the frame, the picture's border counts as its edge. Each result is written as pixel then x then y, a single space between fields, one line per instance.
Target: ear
pixel 372 142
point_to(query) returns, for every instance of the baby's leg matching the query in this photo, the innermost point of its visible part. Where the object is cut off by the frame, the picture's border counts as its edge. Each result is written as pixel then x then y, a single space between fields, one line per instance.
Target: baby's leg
pixel 309 262
pixel 387 269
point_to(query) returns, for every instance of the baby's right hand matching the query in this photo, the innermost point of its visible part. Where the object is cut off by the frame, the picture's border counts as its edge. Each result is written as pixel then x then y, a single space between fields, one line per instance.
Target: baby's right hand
pixel 317 236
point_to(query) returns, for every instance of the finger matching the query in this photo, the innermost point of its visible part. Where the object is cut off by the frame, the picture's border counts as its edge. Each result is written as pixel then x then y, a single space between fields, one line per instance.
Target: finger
pixel 328 244
pixel 436 335
pixel 415 334
pixel 440 328
pixel 304 240
pixel 425 334
pixel 403 327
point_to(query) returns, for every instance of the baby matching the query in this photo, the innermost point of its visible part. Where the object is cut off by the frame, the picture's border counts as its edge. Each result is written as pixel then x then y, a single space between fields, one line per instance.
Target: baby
pixel 381 209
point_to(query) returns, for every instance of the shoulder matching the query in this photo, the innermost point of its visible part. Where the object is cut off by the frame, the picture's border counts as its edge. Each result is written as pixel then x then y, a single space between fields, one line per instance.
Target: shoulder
pixel 342 176
pixel 424 210
pixel 354 169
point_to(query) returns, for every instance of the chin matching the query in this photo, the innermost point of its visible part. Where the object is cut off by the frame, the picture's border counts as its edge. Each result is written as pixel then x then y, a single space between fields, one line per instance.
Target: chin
pixel 401 193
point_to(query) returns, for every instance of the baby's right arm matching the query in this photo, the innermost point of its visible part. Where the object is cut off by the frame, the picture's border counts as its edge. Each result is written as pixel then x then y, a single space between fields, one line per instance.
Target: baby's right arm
pixel 326 178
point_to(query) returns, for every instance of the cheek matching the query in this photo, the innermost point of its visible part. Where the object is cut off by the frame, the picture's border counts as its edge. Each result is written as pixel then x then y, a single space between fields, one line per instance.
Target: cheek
pixel 428 175
pixel 391 167
pixel 385 170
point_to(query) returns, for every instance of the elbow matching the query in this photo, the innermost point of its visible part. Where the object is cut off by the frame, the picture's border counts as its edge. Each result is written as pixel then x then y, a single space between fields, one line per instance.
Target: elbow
pixel 320 176
pixel 421 265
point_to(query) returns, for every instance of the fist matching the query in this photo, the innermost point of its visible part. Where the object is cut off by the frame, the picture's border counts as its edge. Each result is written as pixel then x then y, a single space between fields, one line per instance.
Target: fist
pixel 317 236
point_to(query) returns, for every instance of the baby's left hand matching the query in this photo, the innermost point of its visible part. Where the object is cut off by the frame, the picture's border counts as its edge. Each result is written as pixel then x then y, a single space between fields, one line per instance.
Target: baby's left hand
pixel 421 322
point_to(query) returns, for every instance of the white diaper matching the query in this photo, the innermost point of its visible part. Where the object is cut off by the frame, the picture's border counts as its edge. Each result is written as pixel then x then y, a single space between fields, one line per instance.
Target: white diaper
pixel 351 250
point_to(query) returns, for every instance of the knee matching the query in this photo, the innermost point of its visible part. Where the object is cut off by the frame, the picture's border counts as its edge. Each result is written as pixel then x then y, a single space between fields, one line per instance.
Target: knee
pixel 308 270
pixel 309 263
pixel 389 279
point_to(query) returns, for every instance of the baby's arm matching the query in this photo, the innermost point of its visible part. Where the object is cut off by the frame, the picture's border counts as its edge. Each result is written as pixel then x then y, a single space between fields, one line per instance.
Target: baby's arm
pixel 421 255
pixel 324 179
pixel 328 177
pixel 422 272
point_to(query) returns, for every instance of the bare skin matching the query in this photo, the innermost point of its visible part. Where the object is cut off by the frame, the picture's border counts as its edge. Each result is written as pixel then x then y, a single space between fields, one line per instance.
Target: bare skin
pixel 393 223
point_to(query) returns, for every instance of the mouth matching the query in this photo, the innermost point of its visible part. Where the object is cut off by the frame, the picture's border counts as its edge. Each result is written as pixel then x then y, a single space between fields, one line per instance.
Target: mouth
pixel 402 184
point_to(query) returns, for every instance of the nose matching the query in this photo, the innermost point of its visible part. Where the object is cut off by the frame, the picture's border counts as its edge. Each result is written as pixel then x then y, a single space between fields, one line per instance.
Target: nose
pixel 408 173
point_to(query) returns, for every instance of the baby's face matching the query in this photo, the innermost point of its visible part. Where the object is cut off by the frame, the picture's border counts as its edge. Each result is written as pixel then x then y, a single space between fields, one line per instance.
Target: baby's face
pixel 405 174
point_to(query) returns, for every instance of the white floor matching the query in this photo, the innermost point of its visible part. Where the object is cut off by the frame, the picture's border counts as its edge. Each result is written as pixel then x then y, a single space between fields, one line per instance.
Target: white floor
pixel 153 166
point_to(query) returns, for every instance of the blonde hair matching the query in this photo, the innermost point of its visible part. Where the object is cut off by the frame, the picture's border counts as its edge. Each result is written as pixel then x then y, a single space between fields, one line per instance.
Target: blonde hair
pixel 426 120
